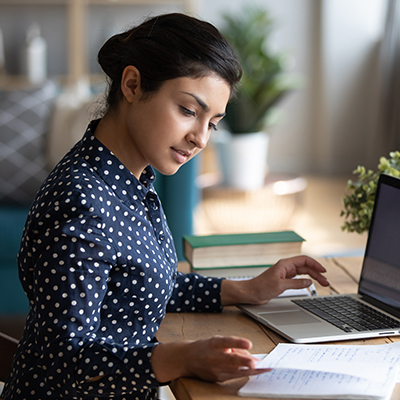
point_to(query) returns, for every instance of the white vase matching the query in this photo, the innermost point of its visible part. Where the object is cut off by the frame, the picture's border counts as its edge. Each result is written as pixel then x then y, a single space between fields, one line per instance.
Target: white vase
pixel 243 159
pixel 35 55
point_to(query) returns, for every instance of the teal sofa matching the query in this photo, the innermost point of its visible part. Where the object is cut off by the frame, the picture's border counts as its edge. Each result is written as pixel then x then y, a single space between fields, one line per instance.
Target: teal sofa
pixel 25 160
pixel 12 297
pixel 178 195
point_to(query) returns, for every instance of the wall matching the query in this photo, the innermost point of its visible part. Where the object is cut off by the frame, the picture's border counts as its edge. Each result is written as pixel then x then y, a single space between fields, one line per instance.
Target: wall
pixel 290 148
pixel 349 94
pixel 329 126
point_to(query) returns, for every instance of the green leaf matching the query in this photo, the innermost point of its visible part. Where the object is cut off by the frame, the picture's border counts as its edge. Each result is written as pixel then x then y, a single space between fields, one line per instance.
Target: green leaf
pixel 358 202
pixel 265 81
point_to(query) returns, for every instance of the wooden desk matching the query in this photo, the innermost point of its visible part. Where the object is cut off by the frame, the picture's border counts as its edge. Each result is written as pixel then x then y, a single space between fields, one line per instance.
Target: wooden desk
pixel 343 274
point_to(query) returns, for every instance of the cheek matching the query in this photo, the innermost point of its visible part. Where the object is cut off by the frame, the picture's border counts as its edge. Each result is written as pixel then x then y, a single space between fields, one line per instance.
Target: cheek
pixel 167 122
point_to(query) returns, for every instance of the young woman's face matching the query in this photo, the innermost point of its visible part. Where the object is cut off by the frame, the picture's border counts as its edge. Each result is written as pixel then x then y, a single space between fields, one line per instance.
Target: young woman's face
pixel 173 125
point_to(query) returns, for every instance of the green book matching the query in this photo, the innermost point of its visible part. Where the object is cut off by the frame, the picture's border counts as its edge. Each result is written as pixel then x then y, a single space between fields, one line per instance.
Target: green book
pixel 235 272
pixel 239 250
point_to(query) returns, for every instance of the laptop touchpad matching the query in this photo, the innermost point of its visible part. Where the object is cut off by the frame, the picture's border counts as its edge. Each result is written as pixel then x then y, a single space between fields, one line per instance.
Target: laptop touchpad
pixel 288 317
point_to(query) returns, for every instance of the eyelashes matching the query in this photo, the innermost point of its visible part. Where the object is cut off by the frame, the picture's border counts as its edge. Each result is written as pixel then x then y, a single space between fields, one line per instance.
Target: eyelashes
pixel 191 113
pixel 188 112
pixel 213 126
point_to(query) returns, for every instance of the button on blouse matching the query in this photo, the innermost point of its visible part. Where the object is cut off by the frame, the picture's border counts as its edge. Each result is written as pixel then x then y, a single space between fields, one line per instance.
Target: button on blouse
pixel 98 265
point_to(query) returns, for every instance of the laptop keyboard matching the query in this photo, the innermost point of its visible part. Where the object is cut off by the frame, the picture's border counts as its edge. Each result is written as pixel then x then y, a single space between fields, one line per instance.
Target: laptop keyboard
pixel 347 313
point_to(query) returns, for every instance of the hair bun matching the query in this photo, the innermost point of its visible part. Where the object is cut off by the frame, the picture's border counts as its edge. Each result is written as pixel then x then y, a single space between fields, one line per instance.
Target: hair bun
pixel 111 55
pixel 166 47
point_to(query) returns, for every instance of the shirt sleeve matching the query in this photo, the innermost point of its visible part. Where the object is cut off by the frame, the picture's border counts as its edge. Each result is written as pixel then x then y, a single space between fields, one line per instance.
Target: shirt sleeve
pixel 77 337
pixel 195 293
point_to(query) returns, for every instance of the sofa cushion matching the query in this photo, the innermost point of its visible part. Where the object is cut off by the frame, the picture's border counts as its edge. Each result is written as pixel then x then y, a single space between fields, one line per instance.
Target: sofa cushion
pixel 24 120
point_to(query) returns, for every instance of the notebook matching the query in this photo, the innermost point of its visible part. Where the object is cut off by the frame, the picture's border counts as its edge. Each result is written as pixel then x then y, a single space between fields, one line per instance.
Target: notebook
pixel 378 290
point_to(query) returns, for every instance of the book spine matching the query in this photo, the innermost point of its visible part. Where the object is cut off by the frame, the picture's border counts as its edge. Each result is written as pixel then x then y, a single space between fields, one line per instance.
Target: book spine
pixel 238 273
pixel 238 256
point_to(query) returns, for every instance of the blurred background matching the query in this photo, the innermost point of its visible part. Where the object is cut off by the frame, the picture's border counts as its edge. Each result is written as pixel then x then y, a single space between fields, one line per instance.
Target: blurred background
pixel 341 114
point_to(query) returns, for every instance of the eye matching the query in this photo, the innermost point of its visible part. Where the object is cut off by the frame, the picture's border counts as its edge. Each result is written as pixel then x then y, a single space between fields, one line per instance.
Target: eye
pixel 187 112
pixel 212 126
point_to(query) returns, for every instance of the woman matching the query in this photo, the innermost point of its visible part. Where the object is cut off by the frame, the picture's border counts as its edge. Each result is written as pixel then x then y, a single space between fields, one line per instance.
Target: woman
pixel 97 259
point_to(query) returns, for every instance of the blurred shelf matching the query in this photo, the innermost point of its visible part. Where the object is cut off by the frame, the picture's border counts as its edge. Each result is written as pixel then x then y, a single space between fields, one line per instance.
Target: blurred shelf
pixel 76 14
pixel 187 3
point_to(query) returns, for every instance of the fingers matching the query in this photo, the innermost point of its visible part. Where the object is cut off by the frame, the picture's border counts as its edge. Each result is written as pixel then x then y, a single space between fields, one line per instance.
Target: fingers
pixel 230 343
pixel 283 272
pixel 301 265
pixel 298 283
pixel 305 262
pixel 229 359
pixel 234 352
pixel 216 359
pixel 315 275
pixel 274 281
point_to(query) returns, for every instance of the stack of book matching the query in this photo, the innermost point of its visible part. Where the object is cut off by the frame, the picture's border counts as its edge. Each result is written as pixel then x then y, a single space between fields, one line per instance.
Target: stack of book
pixel 239 256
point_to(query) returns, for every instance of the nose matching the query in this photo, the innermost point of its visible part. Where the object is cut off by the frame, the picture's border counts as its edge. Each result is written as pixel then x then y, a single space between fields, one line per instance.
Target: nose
pixel 199 136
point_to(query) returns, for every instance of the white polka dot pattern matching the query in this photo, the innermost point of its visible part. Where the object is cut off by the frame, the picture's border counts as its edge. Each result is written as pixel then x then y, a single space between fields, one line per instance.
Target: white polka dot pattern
pixel 98 265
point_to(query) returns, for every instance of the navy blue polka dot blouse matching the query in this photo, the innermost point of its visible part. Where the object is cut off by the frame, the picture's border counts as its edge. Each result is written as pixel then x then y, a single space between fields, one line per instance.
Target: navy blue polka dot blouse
pixel 98 264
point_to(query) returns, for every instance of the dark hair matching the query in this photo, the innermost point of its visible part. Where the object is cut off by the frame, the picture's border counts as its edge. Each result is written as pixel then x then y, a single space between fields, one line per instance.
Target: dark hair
pixel 166 47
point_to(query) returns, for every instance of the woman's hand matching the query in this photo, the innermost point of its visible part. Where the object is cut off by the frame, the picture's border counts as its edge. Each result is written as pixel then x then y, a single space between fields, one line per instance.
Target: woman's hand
pixel 272 282
pixel 222 358
pixel 216 359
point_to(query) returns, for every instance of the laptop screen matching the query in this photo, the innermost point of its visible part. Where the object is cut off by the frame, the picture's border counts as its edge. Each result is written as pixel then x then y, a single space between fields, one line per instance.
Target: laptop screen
pixel 380 277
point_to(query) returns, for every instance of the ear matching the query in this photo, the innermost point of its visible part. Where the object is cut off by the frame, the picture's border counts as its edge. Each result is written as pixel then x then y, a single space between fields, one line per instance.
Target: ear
pixel 130 83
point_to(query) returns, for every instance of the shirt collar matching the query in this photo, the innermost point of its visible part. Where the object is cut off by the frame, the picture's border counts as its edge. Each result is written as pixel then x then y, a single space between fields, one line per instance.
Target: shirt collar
pixel 124 184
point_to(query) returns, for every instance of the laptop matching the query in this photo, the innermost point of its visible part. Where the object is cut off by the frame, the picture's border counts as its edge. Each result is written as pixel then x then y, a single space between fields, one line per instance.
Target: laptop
pixel 373 311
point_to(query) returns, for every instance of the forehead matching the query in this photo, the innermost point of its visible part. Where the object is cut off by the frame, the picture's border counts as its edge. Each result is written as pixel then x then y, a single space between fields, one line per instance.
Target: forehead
pixel 211 89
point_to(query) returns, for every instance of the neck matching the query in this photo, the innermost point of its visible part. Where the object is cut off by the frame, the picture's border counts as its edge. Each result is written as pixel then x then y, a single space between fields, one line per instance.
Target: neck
pixel 114 135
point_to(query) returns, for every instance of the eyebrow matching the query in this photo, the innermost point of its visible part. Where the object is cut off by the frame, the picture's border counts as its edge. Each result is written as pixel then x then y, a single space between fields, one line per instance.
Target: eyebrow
pixel 203 105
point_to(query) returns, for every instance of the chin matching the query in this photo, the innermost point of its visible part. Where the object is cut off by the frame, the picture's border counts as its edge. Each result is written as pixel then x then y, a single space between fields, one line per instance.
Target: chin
pixel 169 171
pixel 172 172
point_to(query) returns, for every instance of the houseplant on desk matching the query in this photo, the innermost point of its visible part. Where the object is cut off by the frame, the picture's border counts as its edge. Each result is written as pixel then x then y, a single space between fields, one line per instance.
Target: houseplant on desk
pixel 249 115
pixel 358 202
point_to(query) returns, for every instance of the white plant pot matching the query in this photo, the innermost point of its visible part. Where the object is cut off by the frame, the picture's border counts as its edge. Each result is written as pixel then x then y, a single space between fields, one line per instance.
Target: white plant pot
pixel 243 159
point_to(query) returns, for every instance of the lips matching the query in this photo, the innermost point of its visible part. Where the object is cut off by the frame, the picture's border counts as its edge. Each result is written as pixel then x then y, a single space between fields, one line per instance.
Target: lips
pixel 181 156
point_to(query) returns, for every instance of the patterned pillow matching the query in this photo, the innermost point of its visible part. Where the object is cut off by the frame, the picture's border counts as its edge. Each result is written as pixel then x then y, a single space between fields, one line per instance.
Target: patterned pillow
pixel 24 120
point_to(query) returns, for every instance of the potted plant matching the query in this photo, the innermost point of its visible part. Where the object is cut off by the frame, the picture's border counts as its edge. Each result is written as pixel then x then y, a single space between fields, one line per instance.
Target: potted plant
pixel 358 203
pixel 264 83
